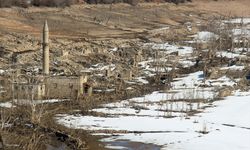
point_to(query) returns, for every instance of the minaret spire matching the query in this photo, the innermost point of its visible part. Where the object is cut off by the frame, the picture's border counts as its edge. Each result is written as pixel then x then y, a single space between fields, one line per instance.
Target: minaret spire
pixel 45 48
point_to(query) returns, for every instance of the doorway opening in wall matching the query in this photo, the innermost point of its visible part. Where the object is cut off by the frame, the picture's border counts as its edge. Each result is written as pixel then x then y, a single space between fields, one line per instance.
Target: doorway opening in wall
pixel 85 88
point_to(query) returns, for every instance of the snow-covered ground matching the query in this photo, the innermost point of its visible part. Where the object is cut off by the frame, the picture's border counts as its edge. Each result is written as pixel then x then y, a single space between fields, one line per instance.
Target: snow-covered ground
pixel 182 118
pixel 234 67
pixel 6 104
pixel 168 48
pixel 241 32
pixel 29 102
pixel 179 55
pixel 162 118
pixel 204 36
pixel 239 21
pixel 229 54
pixel 227 124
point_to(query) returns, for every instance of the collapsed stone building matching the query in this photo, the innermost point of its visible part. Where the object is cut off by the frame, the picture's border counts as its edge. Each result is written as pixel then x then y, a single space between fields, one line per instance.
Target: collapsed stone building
pixel 129 58
pixel 48 86
pixel 120 73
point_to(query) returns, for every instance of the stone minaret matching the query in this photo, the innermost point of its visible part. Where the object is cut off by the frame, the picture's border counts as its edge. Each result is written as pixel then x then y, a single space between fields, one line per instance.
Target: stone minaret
pixel 45 49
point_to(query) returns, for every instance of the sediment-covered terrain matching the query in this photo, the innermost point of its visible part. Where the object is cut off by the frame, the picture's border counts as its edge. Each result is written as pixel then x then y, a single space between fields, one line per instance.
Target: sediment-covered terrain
pixel 164 76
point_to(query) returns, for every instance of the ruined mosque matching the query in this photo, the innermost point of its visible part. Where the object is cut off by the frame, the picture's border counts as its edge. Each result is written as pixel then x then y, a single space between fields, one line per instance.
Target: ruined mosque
pixel 48 86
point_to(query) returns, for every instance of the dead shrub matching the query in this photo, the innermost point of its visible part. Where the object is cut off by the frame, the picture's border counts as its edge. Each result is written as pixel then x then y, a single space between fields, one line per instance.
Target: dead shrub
pixel 9 3
pixel 27 3
pixel 53 3
pixel 133 2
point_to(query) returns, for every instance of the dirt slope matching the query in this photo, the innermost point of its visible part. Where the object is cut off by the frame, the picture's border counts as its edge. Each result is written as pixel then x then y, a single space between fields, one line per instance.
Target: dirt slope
pixel 224 7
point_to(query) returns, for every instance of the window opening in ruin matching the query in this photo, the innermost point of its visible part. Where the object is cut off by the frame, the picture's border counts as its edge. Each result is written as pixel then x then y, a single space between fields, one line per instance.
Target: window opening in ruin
pixel 55 85
pixel 71 85
pixel 85 88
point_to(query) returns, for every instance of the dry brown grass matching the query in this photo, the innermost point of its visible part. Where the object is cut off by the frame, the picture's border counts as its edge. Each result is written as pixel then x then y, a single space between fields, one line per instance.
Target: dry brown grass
pixel 224 7
pixel 120 21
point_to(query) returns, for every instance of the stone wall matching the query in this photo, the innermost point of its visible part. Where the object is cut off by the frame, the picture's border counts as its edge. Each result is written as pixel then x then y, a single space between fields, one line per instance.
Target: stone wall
pixel 65 87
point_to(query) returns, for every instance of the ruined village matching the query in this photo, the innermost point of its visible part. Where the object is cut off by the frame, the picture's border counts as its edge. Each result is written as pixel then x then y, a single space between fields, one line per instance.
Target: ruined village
pixel 128 74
